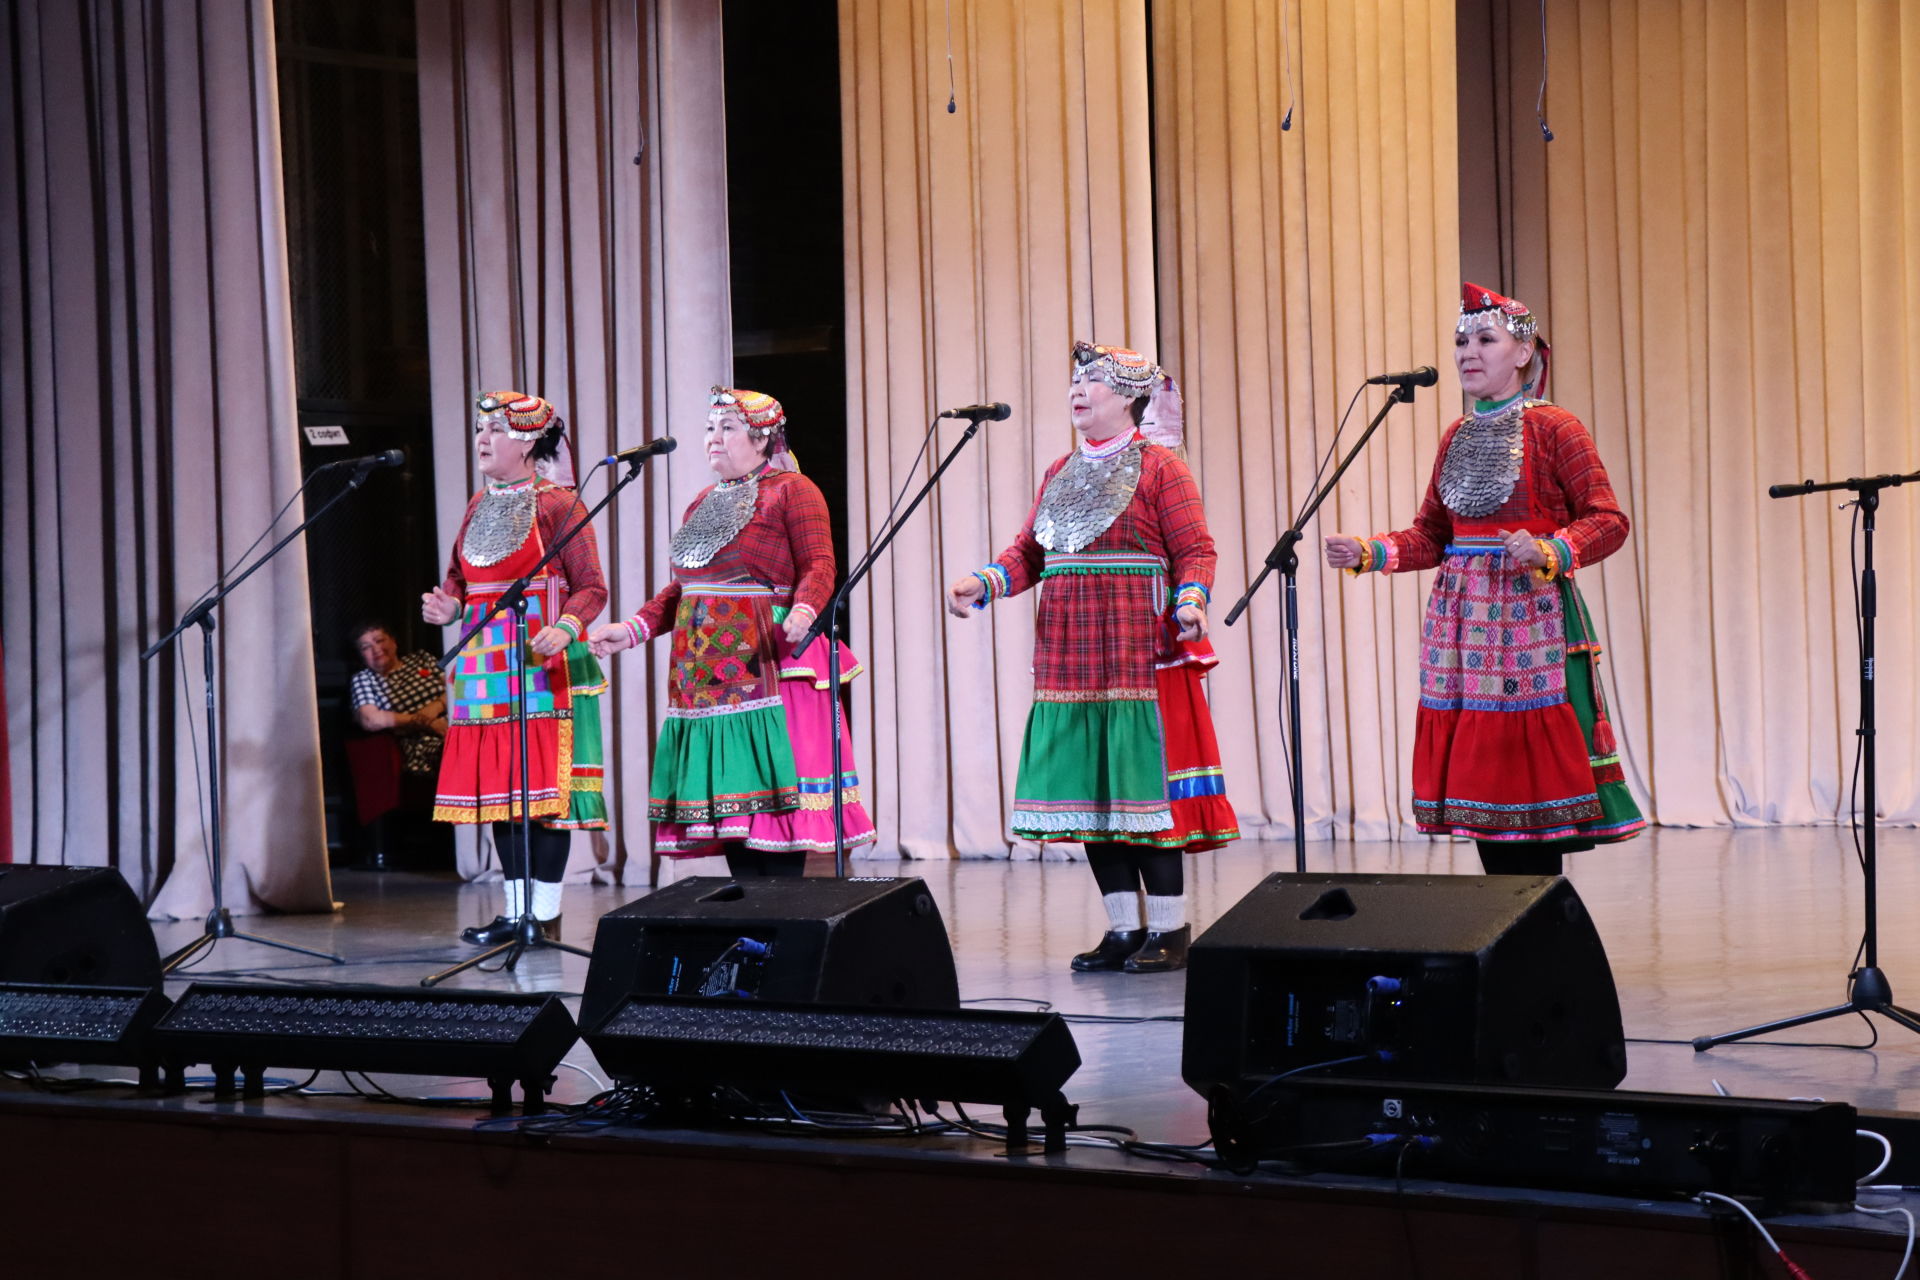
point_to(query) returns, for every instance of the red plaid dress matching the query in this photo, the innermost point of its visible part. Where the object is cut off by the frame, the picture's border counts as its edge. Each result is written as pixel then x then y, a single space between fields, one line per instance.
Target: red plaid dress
pixel 746 754
pixel 1512 741
pixel 1120 745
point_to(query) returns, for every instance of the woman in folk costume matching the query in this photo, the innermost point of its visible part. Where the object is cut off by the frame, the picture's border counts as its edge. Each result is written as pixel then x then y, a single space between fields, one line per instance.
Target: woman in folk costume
pixel 744 765
pixel 509 526
pixel 1119 751
pixel 1512 746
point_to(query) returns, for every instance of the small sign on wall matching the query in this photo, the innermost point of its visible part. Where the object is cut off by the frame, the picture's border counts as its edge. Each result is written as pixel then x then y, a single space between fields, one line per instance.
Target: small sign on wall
pixel 325 435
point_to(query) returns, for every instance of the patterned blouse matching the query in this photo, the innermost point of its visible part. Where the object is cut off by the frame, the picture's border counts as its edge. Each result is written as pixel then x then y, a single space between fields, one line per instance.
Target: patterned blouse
pixel 414 682
pixel 1562 484
pixel 788 544
pixel 583 589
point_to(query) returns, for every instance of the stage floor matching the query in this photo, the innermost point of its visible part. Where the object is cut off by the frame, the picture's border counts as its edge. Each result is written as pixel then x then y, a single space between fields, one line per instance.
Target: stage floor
pixel 1707 931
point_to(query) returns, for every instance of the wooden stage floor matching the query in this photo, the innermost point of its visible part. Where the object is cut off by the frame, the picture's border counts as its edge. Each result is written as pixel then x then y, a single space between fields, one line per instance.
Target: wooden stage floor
pixel 1706 930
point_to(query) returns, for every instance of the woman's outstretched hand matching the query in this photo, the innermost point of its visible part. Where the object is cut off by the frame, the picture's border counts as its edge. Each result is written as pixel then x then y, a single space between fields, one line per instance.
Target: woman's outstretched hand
pixel 608 639
pixel 962 594
pixel 1343 552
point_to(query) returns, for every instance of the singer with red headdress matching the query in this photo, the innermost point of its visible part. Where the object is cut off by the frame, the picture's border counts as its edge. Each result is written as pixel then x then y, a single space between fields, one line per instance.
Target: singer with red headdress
pixel 520 448
pixel 1513 747
pixel 744 765
pixel 1120 752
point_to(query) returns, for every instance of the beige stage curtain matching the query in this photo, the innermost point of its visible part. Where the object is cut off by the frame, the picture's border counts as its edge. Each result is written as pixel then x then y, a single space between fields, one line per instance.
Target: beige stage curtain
pixel 146 350
pixel 558 266
pixel 1723 241
pixel 1294 264
pixel 980 244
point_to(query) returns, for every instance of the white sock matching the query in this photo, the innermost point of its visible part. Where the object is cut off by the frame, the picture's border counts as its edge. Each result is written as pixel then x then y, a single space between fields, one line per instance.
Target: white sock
pixel 1123 910
pixel 1164 915
pixel 514 899
pixel 546 899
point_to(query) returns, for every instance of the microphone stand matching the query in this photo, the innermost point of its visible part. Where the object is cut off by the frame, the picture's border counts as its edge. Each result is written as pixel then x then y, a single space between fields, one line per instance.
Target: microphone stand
pixel 829 623
pixel 527 935
pixel 1869 991
pixel 1285 559
pixel 219 923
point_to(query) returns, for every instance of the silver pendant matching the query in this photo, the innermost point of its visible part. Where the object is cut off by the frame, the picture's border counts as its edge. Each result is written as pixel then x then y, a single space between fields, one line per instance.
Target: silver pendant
pixel 718 520
pixel 1084 498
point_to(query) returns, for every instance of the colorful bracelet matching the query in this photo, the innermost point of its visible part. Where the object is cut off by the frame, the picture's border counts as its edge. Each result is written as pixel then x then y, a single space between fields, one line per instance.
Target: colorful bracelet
pixel 1551 569
pixel 635 637
pixel 1191 594
pixel 996 586
pixel 569 624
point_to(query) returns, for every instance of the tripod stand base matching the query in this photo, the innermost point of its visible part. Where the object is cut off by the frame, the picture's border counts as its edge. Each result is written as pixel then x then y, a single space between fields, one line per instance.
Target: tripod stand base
pixel 220 925
pixel 1871 994
pixel 528 936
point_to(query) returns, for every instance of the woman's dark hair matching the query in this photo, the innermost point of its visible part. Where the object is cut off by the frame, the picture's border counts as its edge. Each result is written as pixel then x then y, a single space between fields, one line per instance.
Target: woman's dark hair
pixel 547 447
pixel 364 625
pixel 1138 408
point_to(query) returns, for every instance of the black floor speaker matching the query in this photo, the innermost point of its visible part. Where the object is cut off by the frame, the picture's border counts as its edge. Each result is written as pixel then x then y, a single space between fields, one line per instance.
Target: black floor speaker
pixel 854 941
pixel 66 925
pixel 1491 979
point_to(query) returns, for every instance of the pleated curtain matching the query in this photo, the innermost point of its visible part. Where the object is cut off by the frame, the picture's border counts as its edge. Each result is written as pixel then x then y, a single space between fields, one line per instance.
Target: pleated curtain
pixel 1724 240
pixel 980 243
pixel 574 165
pixel 146 351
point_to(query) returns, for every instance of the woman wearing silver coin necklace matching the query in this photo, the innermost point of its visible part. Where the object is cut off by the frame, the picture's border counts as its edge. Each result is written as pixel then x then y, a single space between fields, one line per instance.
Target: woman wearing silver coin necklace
pixel 1512 745
pixel 744 762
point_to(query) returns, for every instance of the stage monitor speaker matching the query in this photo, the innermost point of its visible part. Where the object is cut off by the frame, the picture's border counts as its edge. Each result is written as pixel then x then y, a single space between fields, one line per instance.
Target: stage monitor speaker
pixel 502 1037
pixel 74 925
pixel 857 941
pixel 1016 1060
pixel 1494 979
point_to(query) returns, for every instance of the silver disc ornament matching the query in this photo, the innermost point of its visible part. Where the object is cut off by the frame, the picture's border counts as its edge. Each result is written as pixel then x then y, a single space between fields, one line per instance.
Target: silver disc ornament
pixel 500 525
pixel 1085 497
pixel 718 520
pixel 1483 462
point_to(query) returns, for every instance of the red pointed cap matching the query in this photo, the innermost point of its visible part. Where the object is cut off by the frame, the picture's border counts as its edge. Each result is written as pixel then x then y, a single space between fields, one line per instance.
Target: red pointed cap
pixel 1481 306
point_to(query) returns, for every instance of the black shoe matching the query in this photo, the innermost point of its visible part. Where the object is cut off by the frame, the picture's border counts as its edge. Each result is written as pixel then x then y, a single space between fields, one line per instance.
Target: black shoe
pixel 491 935
pixel 1113 949
pixel 1161 952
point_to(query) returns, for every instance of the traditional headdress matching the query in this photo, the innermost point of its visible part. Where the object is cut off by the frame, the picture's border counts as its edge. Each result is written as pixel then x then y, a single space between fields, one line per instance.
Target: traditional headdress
pixel 765 418
pixel 1482 308
pixel 528 417
pixel 531 418
pixel 1133 375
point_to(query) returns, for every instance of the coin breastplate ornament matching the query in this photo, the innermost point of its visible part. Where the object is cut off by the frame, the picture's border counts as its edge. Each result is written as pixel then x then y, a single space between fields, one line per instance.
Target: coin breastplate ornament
pixel 1483 462
pixel 1085 497
pixel 500 525
pixel 718 520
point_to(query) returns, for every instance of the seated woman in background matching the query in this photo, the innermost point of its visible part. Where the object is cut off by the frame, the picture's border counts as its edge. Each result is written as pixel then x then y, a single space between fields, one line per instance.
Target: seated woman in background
pixel 403 700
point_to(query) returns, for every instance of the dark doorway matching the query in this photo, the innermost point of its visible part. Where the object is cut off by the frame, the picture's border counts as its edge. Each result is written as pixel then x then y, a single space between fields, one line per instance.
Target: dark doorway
pixel 350 133
pixel 784 228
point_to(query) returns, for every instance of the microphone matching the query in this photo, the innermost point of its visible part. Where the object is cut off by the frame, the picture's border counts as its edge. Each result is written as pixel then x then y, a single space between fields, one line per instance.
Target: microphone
pixel 385 458
pixel 641 452
pixel 995 412
pixel 1425 376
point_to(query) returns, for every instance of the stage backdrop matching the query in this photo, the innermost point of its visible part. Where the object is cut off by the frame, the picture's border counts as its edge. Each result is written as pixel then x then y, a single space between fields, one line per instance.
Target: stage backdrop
pixel 980 244
pixel 1723 238
pixel 549 273
pixel 1290 266
pixel 147 358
